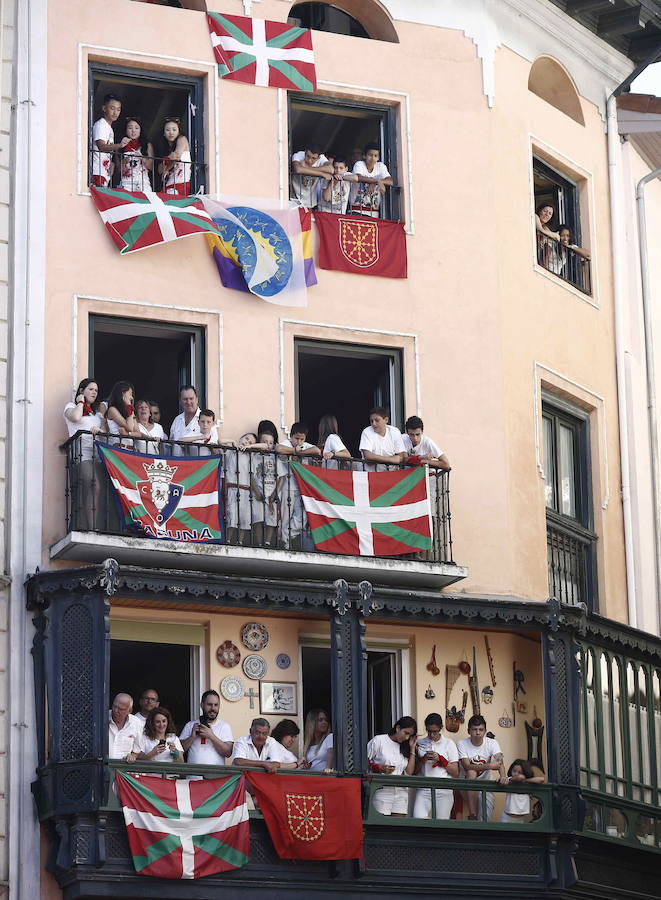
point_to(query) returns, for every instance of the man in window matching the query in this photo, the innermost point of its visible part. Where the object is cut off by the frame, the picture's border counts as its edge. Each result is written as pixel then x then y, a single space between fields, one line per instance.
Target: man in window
pixel 186 423
pixel 308 167
pixel 373 178
pixel 124 730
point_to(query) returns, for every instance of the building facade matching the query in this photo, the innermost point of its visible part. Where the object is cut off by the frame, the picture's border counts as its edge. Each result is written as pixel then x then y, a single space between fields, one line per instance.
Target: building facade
pixel 501 339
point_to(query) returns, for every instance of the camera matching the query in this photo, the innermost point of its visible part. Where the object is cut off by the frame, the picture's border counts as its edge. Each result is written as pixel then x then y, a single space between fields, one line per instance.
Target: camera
pixel 204 719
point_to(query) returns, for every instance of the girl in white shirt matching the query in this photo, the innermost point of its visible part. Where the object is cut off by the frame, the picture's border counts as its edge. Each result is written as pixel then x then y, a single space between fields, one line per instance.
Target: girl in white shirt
pixel 159 741
pixel 176 166
pixel 330 443
pixel 517 806
pixel 318 742
pixel 135 159
pixel 393 754
pixel 86 413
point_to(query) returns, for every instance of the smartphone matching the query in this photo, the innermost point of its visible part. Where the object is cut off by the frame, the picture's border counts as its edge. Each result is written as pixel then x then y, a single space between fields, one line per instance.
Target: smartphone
pixel 161 743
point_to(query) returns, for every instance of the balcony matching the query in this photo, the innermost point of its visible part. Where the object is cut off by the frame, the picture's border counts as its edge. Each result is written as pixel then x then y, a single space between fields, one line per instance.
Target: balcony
pixel 282 542
pixel 564 262
pixel 161 174
pixel 571 561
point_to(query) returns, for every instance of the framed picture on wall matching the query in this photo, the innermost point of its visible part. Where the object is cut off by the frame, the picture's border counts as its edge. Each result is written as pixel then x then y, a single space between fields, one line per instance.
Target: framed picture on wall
pixel 278 698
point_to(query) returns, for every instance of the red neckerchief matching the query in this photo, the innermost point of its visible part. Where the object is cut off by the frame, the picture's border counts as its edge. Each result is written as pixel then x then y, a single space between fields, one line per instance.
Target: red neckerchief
pixel 87 409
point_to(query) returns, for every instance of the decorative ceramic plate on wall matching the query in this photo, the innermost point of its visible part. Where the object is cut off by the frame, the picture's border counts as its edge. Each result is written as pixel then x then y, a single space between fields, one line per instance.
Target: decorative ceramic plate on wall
pixel 283 661
pixel 228 654
pixel 254 636
pixel 232 688
pixel 254 666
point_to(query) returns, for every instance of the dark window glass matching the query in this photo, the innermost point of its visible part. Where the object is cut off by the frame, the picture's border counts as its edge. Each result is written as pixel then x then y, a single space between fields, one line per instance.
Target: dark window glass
pixel 324 17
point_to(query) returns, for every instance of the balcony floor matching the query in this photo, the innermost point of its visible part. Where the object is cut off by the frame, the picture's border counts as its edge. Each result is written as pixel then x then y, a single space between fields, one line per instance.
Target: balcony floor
pixel 224 559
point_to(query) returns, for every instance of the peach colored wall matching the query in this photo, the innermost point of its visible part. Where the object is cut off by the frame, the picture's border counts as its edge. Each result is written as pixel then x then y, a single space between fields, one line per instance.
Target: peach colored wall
pixel 482 313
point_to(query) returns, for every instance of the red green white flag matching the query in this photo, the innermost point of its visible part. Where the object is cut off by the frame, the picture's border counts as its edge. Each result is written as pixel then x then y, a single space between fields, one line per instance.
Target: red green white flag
pixel 185 829
pixel 366 513
pixel 136 220
pixel 268 54
pixel 166 497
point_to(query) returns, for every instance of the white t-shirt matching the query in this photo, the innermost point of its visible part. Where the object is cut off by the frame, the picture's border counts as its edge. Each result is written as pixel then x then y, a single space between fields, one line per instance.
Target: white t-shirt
pixel 317 754
pixel 142 719
pixel 125 740
pixel 156 433
pixel 147 744
pixel 366 198
pixel 333 444
pixel 179 429
pixel 205 753
pixel 200 443
pixel 479 755
pixel 101 162
pixel 383 751
pixel 96 420
pixel 518 804
pixel 287 443
pixel 388 444
pixel 426 447
pixel 444 747
pixel 305 188
pixel 272 751
pixel 339 199
pixel 287 755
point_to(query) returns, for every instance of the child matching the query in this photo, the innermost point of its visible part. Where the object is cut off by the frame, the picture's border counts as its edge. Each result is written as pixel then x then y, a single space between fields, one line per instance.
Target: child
pixel 479 756
pixel 437 758
pixel 264 484
pixel 135 160
pixel 421 447
pixel 208 434
pixel 373 177
pixel 175 167
pixel 293 518
pixel 237 475
pixel 103 141
pixel 517 806
pixel 335 193
pixel 308 166
pixel 330 443
pixel 155 411
pixel 381 442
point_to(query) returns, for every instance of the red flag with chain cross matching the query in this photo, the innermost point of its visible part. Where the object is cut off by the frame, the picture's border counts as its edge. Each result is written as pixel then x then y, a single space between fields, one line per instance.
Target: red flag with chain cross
pixel 362 245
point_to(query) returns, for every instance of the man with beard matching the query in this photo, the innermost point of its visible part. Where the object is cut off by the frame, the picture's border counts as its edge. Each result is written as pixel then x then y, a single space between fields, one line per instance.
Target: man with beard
pixel 207 740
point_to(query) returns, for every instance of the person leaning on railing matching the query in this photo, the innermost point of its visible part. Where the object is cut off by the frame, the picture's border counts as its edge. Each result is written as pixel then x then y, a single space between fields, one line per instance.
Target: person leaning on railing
pixel 393 754
pixel 330 443
pixel 135 159
pixel 86 413
pixel 285 734
pixel 546 239
pixel 437 758
pixel 565 237
pixel 317 742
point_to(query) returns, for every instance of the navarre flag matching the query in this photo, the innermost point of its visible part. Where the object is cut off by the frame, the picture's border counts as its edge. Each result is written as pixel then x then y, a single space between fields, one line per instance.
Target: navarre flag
pixel 136 220
pixel 261 248
pixel 185 829
pixel 311 818
pixel 167 497
pixel 366 513
pixel 361 244
pixel 268 54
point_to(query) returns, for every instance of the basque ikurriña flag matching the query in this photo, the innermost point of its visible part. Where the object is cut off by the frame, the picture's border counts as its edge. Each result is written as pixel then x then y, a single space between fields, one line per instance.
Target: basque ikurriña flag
pixel 268 54
pixel 366 513
pixel 166 497
pixel 185 829
pixel 136 220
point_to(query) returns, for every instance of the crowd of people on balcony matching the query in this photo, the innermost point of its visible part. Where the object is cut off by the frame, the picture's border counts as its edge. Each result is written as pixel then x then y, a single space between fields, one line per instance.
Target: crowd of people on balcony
pixel 150 736
pixel 132 162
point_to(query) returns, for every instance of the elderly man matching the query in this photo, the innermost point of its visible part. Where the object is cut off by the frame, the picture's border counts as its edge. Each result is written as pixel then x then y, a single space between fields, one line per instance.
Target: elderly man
pixel 124 730
pixel 208 740
pixel 186 423
pixel 148 700
pixel 257 750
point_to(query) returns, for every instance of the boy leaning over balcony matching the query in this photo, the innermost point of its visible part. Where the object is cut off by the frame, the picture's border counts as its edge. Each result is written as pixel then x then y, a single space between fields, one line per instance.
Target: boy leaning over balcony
pixel 293 518
pixel 309 167
pixel 423 448
pixel 381 442
pixel 103 141
pixel 373 178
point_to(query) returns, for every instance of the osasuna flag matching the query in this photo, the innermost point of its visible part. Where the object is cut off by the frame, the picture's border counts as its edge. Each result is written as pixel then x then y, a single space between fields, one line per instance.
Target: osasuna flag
pixel 361 244
pixel 259 247
pixel 137 220
pixel 366 513
pixel 166 497
pixel 185 829
pixel 269 54
pixel 311 818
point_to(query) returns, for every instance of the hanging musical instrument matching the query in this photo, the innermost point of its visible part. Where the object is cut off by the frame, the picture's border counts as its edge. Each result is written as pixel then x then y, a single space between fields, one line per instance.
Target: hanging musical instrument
pixel 431 665
pixel 464 665
pixel 452 673
pixel 474 689
pixel 490 661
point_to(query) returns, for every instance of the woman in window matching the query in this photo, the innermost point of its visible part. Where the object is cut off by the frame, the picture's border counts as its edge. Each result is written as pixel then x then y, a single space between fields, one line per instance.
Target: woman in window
pixel 547 240
pixel 175 167
pixel 393 754
pixel 159 741
pixel 318 742
pixel 148 427
pixel 86 413
pixel 285 733
pixel 121 412
pixel 135 159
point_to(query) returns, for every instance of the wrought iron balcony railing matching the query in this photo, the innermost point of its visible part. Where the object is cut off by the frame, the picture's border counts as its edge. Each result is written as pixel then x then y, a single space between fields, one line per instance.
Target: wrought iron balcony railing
pixel 570 552
pixel 135 172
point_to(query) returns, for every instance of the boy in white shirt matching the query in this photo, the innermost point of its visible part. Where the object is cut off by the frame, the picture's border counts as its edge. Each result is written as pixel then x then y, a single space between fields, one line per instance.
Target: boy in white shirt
pixel 419 445
pixel 308 167
pixel 208 434
pixel 335 193
pixel 293 518
pixel 103 141
pixel 381 442
pixel 438 758
pixel 373 177
pixel 479 756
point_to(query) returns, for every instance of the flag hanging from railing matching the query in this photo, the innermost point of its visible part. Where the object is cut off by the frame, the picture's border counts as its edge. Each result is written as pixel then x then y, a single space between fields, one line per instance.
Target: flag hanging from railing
pixel 362 245
pixel 166 497
pixel 185 829
pixel 311 818
pixel 268 54
pixel 136 220
pixel 366 513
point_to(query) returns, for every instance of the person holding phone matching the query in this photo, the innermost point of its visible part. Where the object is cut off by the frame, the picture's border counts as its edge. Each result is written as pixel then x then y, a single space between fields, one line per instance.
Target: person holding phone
pixel 437 758
pixel 159 741
pixel 208 740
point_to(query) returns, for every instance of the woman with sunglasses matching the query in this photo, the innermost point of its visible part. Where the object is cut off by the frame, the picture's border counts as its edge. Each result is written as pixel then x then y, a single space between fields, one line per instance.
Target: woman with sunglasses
pixel 175 166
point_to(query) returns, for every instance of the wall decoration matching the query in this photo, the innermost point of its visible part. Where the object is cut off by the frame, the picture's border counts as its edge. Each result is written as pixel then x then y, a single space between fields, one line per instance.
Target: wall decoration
pixel 536 722
pixel 254 666
pixel 519 678
pixel 278 698
pixel 452 673
pixel 228 654
pixel 474 689
pixel 455 717
pixel 487 693
pixel 505 720
pixel 490 661
pixel 431 665
pixel 283 661
pixel 535 746
pixel 464 665
pixel 522 708
pixel 429 693
pixel 232 688
pixel 254 636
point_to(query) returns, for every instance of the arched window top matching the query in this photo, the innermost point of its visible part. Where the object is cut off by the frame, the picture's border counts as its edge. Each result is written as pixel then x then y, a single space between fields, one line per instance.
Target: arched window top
pixel 357 18
pixel 550 81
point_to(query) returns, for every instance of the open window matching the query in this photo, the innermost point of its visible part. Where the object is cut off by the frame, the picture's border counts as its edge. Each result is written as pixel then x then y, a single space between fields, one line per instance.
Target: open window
pixel 347 380
pixel 151 97
pixel 343 128
pixel 156 357
pixel 354 18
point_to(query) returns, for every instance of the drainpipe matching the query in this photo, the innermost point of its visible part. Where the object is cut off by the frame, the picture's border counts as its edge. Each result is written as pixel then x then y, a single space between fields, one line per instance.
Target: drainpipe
pixel 651 379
